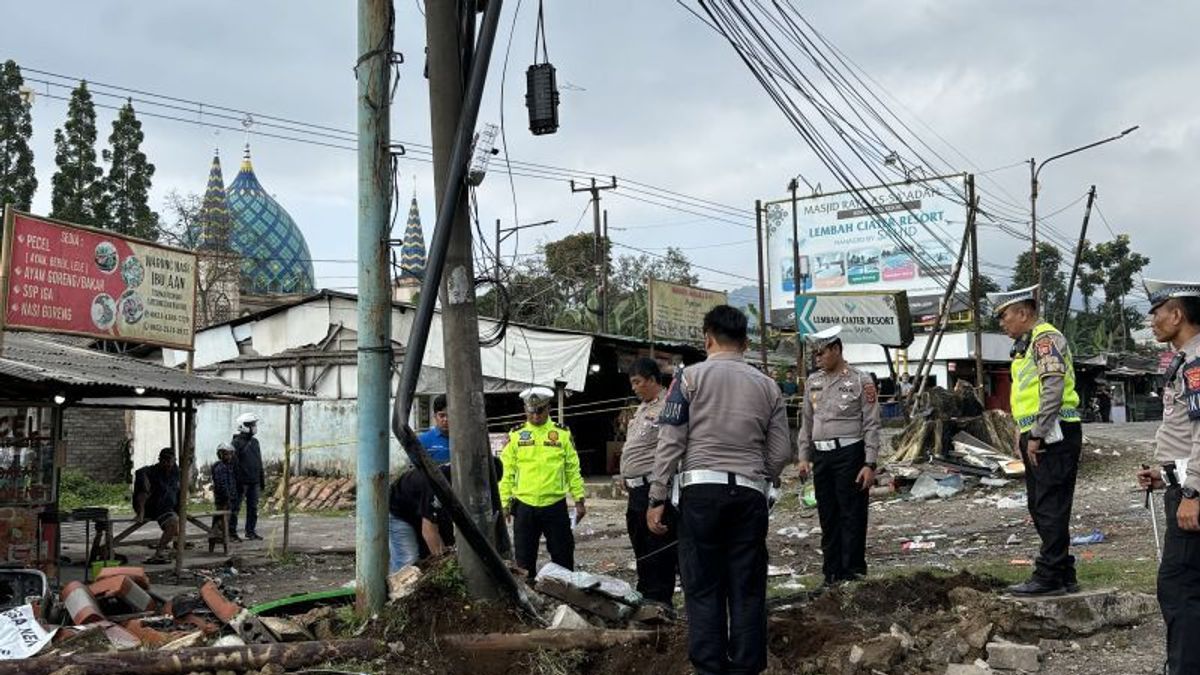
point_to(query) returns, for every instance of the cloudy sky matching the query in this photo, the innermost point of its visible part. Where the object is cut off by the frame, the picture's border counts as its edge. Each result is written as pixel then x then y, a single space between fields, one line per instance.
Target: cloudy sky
pixel 652 95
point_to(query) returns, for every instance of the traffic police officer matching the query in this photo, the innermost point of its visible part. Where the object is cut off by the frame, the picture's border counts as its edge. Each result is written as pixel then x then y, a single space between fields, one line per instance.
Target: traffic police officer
pixel 657 559
pixel 1175 319
pixel 724 441
pixel 541 468
pixel 1046 408
pixel 839 443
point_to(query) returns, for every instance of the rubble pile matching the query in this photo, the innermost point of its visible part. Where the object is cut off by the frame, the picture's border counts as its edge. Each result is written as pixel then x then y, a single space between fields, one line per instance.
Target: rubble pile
pixel 951 428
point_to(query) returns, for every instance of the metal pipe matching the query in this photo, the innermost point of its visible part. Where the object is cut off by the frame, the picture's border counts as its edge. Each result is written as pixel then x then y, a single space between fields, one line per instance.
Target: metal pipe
pixel 374 302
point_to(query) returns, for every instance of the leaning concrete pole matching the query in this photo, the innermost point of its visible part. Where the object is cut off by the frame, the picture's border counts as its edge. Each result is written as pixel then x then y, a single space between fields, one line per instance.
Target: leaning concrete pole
pixel 451 40
pixel 374 302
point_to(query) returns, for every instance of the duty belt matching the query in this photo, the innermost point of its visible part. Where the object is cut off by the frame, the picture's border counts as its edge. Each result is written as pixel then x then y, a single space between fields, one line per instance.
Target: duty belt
pixel 706 477
pixel 835 444
pixel 1172 471
pixel 637 482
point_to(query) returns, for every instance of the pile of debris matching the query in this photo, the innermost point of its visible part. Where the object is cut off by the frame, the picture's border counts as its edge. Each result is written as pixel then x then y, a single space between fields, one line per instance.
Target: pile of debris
pixel 952 429
pixel 314 493
pixel 120 624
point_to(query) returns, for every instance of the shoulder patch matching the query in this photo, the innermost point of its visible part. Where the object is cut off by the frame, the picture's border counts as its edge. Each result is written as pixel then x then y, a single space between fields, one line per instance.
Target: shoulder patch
pixel 1191 388
pixel 1049 359
pixel 870 393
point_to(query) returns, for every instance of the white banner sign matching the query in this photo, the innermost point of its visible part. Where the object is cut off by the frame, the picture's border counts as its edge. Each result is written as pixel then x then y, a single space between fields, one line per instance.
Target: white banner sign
pixel 21 636
pixel 845 246
pixel 865 318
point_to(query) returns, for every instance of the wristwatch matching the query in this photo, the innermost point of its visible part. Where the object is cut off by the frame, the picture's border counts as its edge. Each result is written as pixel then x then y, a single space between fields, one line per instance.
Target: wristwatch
pixel 1189 492
pixel 655 503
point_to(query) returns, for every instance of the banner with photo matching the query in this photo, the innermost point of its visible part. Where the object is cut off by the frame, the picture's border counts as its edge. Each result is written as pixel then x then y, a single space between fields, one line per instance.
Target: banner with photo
pixel 845 246
pixel 64 278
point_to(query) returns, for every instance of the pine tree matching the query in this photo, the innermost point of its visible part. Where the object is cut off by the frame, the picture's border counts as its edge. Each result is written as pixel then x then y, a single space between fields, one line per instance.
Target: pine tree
pixel 77 186
pixel 18 181
pixel 127 186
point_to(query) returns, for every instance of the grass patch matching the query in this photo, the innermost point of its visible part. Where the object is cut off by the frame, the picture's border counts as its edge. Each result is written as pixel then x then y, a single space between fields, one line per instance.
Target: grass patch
pixel 1126 575
pixel 448 579
pixel 77 489
pixel 546 662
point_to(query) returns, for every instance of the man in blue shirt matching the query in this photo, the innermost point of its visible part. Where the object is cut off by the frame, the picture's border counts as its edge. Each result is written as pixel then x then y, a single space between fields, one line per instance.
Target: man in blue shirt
pixel 437 440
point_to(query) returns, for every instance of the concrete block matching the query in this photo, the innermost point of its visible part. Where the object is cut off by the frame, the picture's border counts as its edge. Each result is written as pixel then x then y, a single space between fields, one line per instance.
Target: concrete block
pixel 138 574
pixel 967 669
pixel 878 653
pixel 1013 656
pixel 81 604
pixel 566 618
pixel 1084 613
pixel 403 582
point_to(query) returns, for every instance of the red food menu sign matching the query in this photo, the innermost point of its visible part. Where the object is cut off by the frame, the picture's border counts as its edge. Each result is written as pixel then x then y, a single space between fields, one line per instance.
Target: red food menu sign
pixel 63 278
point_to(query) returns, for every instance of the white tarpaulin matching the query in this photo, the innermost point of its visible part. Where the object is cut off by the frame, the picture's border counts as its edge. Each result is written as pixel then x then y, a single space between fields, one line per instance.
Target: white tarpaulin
pixel 21 636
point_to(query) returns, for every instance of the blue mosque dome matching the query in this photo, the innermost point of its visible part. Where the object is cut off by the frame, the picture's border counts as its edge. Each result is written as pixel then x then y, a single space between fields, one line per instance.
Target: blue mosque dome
pixel 275 256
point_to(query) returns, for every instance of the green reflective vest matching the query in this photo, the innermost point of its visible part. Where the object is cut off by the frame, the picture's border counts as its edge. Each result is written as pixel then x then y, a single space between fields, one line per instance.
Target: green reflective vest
pixel 1027 385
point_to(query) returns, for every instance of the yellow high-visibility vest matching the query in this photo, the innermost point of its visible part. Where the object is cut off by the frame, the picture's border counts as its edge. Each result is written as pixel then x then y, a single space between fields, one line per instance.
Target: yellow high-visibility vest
pixel 1027 386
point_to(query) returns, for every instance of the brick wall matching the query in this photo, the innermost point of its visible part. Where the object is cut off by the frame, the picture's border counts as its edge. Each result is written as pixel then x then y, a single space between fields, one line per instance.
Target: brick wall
pixel 96 442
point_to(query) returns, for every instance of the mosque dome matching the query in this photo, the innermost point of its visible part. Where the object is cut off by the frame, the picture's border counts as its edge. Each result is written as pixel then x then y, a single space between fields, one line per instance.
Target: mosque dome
pixel 275 256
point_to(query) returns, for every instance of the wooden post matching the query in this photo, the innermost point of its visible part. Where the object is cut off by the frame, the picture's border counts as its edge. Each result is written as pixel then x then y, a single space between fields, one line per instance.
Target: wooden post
pixel 287 472
pixel 977 323
pixel 650 313
pixel 187 456
pixel 763 310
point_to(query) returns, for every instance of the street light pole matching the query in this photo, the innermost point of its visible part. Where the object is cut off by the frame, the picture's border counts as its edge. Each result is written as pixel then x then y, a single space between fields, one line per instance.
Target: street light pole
pixel 503 233
pixel 796 287
pixel 1035 169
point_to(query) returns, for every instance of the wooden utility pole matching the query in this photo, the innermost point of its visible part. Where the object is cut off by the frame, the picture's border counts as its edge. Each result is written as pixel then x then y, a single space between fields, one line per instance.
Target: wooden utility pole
pixel 1087 214
pixel 451 40
pixel 600 244
pixel 604 245
pixel 976 323
pixel 762 284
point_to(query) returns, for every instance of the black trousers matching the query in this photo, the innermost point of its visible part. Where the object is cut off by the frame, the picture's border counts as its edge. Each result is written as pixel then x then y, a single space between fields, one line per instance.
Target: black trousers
pixel 530 523
pixel 1050 487
pixel 842 509
pixel 1179 591
pixel 723 562
pixel 657 556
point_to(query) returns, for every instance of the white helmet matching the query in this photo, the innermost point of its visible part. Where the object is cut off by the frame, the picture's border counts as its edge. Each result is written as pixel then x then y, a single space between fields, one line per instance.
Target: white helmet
pixel 245 421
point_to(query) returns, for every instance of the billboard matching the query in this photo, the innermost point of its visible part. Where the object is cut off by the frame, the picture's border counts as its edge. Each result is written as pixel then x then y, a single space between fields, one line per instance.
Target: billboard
pixel 845 246
pixel 865 318
pixel 677 312
pixel 62 278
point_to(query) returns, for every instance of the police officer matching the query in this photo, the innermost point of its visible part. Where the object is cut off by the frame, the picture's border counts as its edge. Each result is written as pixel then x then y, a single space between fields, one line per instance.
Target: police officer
pixel 657 559
pixel 724 440
pixel 839 444
pixel 1175 320
pixel 541 468
pixel 1046 408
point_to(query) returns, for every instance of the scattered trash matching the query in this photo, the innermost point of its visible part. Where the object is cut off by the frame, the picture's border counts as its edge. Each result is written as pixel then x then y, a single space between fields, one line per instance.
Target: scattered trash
pixel 1021 562
pixel 994 482
pixel 21 635
pixel 927 487
pixel 1095 537
pixel 792 532
pixel 918 545
pixel 1012 539
pixel 808 495
pixel 774 571
pixel 1018 501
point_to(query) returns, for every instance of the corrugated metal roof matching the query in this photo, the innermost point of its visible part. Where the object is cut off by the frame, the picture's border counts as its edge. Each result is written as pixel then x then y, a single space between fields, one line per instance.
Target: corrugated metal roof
pixel 40 359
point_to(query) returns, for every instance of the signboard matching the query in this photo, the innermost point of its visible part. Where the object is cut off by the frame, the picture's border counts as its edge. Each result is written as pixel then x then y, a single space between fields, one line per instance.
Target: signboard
pixel 677 312
pixel 844 246
pixel 865 318
pixel 62 278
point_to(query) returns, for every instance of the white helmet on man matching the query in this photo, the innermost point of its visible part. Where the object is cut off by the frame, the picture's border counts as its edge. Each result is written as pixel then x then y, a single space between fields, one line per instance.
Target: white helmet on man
pixel 247 423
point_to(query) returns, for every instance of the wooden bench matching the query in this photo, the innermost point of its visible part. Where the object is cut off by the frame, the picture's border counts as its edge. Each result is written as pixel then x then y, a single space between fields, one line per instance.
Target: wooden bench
pixel 104 531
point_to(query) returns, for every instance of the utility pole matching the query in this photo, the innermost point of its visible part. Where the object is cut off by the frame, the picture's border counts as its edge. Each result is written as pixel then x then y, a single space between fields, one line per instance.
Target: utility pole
pixel 1087 214
pixel 604 245
pixel 1033 194
pixel 796 287
pixel 451 38
pixel 597 252
pixel 976 324
pixel 762 284
pixel 503 233
pixel 374 302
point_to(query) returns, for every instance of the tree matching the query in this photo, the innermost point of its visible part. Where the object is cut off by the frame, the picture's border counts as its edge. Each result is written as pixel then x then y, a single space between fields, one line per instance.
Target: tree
pixel 78 186
pixel 127 186
pixel 1050 275
pixel 1110 267
pixel 18 181
pixel 193 227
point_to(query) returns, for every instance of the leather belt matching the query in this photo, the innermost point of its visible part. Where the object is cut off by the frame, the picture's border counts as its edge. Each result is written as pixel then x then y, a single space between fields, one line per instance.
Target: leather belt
pixel 707 477
pixel 637 482
pixel 835 444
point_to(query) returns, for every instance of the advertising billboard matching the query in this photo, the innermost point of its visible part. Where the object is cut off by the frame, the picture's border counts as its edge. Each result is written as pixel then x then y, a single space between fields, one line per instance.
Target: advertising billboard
pixel 677 312
pixel 63 278
pixel 846 246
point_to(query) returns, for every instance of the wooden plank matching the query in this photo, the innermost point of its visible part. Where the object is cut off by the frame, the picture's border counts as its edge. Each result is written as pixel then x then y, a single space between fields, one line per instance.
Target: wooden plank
pixel 605 608
pixel 554 640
